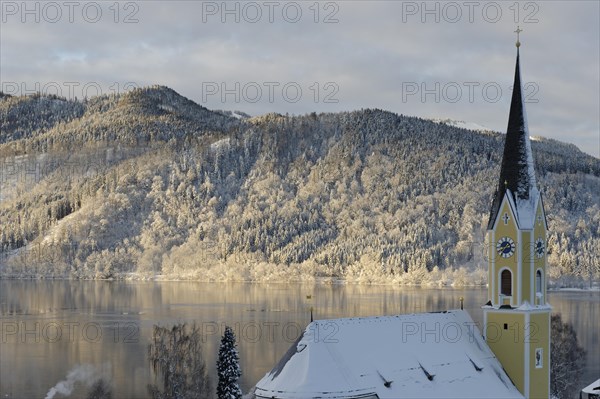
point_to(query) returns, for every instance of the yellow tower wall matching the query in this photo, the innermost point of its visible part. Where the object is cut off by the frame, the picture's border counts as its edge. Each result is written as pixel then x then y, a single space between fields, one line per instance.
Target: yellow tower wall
pixel 539 231
pixel 539 376
pixel 508 345
pixel 497 262
pixel 526 265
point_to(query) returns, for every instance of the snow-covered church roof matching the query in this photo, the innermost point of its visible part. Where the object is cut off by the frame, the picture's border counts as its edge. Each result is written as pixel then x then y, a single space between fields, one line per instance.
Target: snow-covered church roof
pixel 592 389
pixel 427 355
pixel 517 174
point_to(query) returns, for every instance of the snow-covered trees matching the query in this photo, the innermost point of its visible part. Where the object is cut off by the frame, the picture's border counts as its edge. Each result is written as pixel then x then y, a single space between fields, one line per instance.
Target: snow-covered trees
pixel 567 359
pixel 228 367
pixel 138 182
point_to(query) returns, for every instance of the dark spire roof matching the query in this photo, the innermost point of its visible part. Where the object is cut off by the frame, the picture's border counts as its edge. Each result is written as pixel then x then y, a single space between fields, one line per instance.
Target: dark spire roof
pixel 517 173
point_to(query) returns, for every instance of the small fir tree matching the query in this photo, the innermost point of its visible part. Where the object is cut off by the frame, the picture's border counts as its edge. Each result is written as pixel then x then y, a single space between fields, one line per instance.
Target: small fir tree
pixel 228 367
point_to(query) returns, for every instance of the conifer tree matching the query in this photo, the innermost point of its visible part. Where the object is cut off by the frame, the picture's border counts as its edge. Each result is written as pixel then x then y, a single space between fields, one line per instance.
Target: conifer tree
pixel 228 367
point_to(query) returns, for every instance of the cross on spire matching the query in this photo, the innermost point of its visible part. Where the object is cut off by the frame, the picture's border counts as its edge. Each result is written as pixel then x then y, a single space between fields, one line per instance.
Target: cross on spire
pixel 518 31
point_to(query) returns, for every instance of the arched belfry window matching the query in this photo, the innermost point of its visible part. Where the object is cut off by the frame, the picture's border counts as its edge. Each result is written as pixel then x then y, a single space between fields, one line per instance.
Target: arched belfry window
pixel 506 283
pixel 538 281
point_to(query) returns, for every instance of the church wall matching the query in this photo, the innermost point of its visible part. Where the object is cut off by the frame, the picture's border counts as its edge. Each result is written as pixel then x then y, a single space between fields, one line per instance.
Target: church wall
pixel 508 344
pixel 505 230
pixel 540 263
pixel 527 265
pixel 491 256
pixel 539 376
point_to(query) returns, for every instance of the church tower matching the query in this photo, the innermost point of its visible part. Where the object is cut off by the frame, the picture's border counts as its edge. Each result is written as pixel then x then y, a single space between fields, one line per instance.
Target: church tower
pixel 517 315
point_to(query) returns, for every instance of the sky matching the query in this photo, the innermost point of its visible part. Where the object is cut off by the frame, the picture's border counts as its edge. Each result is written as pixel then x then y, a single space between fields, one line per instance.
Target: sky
pixel 434 59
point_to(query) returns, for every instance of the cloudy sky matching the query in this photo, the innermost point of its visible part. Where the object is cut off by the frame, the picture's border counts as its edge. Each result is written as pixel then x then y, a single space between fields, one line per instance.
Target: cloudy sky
pixel 430 59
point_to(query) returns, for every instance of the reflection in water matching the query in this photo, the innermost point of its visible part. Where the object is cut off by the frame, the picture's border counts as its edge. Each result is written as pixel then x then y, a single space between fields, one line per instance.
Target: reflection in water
pixel 51 327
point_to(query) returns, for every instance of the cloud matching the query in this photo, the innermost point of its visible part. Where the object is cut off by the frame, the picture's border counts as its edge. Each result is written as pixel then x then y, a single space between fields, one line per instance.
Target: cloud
pixel 361 58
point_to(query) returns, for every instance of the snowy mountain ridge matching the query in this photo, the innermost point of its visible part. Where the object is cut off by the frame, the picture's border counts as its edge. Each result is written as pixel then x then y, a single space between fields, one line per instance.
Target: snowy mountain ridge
pixel 155 184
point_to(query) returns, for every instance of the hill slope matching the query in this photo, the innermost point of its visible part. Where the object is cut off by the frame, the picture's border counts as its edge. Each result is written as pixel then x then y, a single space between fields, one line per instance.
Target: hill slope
pixel 151 183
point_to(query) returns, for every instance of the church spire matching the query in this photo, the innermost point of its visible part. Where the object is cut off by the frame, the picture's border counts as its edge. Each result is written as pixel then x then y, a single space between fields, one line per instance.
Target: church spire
pixel 515 245
pixel 517 171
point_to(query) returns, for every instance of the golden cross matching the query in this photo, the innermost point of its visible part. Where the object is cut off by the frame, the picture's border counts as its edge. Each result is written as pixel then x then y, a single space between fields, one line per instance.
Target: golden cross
pixel 519 30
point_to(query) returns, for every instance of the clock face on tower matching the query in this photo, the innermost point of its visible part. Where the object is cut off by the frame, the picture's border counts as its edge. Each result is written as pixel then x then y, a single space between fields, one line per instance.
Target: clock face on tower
pixel 540 247
pixel 505 247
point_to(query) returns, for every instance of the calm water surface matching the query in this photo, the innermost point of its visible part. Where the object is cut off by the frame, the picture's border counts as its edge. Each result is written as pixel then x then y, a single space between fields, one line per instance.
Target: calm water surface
pixel 51 327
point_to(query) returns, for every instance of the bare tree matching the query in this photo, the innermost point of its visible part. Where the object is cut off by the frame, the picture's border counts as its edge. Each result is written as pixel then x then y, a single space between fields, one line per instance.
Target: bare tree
pixel 175 355
pixel 568 359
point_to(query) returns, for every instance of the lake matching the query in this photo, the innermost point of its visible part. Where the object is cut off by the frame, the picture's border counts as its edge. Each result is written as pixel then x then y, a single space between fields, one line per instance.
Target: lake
pixel 102 328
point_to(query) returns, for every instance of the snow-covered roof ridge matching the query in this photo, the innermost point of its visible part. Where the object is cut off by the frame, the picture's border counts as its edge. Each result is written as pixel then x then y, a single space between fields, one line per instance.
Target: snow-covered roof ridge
pixel 527 207
pixel 593 388
pixel 526 306
pixel 440 355
pixel 528 153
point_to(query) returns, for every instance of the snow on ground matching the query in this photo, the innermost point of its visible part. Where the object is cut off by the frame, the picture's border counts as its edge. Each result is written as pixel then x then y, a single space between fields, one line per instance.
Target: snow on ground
pixel 595 288
pixel 464 125
pixel 234 114
pixel 221 144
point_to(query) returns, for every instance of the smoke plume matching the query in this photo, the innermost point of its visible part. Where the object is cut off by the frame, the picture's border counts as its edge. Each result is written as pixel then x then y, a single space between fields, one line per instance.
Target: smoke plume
pixel 83 373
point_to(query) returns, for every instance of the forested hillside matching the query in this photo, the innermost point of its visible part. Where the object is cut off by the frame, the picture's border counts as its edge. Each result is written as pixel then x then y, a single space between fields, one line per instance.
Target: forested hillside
pixel 149 183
